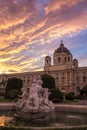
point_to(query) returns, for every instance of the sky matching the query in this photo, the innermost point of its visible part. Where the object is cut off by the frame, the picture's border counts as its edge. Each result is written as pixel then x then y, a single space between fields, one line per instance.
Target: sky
pixel 33 29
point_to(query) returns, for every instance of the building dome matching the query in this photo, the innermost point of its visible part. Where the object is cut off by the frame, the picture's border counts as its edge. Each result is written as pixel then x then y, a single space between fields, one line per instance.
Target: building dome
pixel 62 49
pixel 75 63
pixel 47 61
pixel 47 57
pixel 75 60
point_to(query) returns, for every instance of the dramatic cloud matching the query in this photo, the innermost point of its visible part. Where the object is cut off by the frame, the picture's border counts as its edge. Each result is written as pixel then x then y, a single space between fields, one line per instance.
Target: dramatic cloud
pixel 32 29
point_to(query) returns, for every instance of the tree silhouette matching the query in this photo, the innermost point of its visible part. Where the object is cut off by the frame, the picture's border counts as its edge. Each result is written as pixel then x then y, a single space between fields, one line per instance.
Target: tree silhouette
pixel 83 92
pixel 48 81
pixel 13 84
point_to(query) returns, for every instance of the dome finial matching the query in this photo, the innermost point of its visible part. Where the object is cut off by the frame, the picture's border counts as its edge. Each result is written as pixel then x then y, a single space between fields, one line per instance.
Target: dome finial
pixel 61 45
pixel 61 42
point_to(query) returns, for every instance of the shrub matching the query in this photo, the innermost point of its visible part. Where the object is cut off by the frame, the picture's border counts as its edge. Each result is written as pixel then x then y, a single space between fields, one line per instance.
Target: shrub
pixel 79 97
pixel 12 94
pixel 2 92
pixel 12 84
pixel 48 81
pixel 56 96
pixel 70 96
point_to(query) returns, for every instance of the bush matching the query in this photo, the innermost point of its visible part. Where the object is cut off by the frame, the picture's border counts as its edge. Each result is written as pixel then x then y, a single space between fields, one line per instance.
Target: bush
pixel 48 81
pixel 70 96
pixel 12 94
pixel 12 84
pixel 56 96
pixel 79 97
pixel 2 92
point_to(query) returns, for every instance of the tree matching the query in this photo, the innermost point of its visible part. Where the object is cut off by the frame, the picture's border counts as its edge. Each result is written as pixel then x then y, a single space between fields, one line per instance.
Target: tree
pixel 70 96
pixel 13 84
pixel 83 92
pixel 48 81
pixel 56 96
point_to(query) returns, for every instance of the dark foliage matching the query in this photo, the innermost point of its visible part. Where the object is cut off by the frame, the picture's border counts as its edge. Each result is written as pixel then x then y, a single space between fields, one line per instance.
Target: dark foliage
pixel 13 84
pixel 2 91
pixel 56 96
pixel 11 94
pixel 83 92
pixel 48 81
pixel 70 96
pixel 79 97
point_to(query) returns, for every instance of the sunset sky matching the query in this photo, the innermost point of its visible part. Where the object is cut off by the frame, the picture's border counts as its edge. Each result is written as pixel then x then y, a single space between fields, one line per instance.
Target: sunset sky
pixel 32 29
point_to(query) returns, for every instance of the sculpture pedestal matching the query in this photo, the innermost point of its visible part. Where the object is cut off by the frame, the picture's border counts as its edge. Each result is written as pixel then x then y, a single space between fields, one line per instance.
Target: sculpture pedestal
pixel 45 117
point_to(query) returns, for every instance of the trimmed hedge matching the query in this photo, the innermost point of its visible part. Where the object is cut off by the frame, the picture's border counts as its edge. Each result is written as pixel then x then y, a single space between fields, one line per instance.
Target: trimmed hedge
pixel 12 94
pixel 12 85
pixel 79 97
pixel 48 81
pixel 70 96
pixel 56 96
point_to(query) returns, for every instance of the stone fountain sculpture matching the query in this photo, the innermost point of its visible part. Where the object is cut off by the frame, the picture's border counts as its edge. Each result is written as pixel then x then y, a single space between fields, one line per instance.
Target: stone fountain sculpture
pixel 34 104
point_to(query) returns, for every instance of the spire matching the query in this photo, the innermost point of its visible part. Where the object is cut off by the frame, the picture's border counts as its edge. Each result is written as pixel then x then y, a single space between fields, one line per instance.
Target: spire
pixel 61 45
pixel 61 42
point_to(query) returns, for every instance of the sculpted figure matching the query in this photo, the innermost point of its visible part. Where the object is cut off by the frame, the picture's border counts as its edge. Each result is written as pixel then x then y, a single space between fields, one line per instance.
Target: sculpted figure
pixel 22 101
pixel 37 98
pixel 32 103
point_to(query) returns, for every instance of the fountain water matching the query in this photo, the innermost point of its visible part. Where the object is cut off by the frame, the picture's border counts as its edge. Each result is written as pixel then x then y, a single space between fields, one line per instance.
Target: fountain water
pixel 35 105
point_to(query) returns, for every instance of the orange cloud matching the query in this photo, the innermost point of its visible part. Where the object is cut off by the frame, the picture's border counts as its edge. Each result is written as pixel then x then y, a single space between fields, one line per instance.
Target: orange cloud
pixel 26 36
pixel 57 5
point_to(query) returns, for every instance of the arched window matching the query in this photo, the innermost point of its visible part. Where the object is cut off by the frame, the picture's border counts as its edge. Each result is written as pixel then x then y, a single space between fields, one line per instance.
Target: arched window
pixel 57 80
pixel 78 89
pixel 63 79
pixel 74 64
pixel 68 59
pixel 84 78
pixel 28 81
pixel 59 59
pixel 47 61
pixel 63 73
pixel 64 59
pixel 68 76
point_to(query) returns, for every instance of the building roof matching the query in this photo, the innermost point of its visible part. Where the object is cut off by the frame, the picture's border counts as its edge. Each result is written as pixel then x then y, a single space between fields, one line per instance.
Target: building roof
pixel 62 49
pixel 75 60
pixel 47 57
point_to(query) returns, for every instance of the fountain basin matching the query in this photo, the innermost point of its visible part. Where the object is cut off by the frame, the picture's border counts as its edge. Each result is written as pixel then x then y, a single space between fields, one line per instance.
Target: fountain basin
pixel 71 108
pixel 72 117
pixel 7 106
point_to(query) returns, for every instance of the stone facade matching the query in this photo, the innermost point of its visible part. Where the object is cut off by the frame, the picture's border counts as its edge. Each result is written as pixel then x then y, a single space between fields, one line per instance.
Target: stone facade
pixel 69 77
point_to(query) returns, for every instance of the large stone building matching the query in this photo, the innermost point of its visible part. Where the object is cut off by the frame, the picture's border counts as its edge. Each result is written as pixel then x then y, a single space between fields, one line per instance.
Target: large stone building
pixel 69 77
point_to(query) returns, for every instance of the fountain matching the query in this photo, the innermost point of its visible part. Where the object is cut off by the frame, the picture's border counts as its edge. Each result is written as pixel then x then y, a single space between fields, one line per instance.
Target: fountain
pixel 34 105
pixel 35 111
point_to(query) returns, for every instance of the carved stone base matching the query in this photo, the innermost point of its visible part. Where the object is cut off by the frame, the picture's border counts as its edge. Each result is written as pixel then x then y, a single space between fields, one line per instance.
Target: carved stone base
pixel 36 117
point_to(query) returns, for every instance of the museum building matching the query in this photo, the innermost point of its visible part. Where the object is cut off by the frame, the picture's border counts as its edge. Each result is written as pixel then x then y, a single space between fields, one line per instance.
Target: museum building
pixel 68 76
